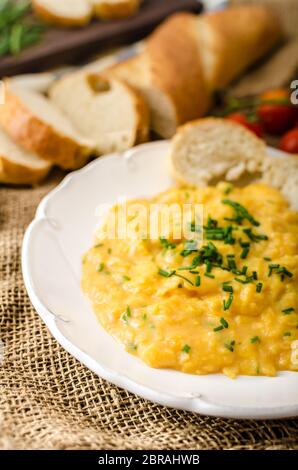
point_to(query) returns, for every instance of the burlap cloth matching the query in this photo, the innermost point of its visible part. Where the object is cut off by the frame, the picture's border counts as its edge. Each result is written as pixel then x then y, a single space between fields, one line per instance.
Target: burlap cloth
pixel 48 400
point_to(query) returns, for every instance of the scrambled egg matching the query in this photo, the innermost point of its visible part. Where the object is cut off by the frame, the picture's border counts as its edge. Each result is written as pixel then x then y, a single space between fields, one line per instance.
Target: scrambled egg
pixel 227 306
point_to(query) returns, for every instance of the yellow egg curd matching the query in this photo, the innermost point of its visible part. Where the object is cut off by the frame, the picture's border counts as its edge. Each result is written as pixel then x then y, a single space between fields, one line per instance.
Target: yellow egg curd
pixel 227 305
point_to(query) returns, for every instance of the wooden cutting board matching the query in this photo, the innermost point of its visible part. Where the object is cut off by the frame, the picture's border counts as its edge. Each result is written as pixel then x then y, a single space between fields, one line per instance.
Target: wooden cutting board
pixel 61 45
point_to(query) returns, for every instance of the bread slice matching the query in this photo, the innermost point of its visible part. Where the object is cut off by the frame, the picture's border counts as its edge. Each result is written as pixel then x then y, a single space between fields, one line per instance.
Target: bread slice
pixel 212 149
pixel 17 166
pixel 104 109
pixel 64 12
pixel 282 173
pixel 36 124
pixel 169 75
pixel 113 9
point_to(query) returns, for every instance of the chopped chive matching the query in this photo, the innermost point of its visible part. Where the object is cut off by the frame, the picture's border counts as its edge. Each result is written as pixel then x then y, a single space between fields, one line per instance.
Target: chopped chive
pixel 180 286
pixel 166 244
pixel 255 340
pixel 244 253
pixel 126 315
pixel 198 281
pixel 224 322
pixel 194 272
pixel 126 278
pixel 100 267
pixel 259 287
pixel 241 212
pixel 255 275
pixel 98 245
pixel 209 275
pixel 227 288
pixel 228 190
pixel 248 280
pixel 186 348
pixel 230 346
pixel 244 270
pixel 255 237
pixel 287 311
pixel 218 328
pixel 164 273
pixel 287 333
pixel 228 303
pixel 184 278
pixel 267 259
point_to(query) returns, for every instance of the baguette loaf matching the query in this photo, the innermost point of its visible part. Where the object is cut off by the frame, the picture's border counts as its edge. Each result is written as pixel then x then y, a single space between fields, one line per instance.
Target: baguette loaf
pixel 64 12
pixel 106 110
pixel 189 57
pixel 17 166
pixel 113 9
pixel 36 124
pixel 169 74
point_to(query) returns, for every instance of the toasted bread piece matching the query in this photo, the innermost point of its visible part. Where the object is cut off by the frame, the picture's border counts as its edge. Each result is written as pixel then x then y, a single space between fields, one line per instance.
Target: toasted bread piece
pixel 113 9
pixel 64 12
pixel 106 110
pixel 17 166
pixel 213 149
pixel 36 124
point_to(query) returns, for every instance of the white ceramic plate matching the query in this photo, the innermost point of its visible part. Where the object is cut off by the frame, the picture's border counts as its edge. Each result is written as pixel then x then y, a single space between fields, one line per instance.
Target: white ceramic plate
pixel 53 246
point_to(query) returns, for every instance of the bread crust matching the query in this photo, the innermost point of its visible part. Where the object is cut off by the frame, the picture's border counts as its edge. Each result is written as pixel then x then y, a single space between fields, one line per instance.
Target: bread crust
pixel 235 38
pixel 39 137
pixel 50 17
pixel 176 67
pixel 16 173
pixel 109 11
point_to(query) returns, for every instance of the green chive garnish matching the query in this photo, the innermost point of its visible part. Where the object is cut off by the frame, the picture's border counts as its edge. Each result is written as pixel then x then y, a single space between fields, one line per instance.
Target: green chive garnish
pixel 259 287
pixel 287 311
pixel 244 253
pixel 255 340
pixel 287 333
pixel 223 324
pixel 165 273
pixel 186 348
pixel 230 346
pixel 198 281
pixel 228 303
pixel 100 267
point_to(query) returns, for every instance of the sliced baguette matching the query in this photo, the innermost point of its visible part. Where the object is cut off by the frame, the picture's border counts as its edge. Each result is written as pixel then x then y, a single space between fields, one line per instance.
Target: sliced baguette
pixel 64 12
pixel 212 149
pixel 169 75
pixel 113 9
pixel 17 166
pixel 282 173
pixel 36 124
pixel 106 110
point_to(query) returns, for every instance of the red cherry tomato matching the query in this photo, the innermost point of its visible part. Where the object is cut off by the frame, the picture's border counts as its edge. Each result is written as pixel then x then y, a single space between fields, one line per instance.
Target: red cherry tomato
pixel 276 118
pixel 276 114
pixel 254 127
pixel 289 142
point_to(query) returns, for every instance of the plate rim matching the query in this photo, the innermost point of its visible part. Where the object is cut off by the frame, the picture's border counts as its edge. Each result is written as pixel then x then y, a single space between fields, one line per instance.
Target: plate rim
pixel 194 404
